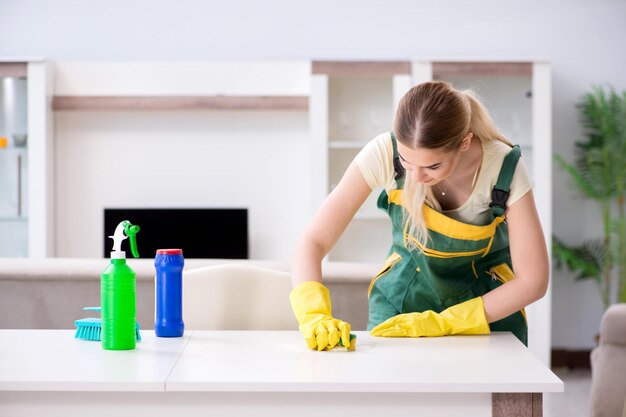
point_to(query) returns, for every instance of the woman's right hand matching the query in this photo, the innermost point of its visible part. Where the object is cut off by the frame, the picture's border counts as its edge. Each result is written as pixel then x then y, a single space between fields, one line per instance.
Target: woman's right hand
pixel 309 298
pixel 310 301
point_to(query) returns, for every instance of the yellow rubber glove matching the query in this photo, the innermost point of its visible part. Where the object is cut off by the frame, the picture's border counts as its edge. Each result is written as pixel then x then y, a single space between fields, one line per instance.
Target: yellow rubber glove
pixel 311 304
pixel 464 318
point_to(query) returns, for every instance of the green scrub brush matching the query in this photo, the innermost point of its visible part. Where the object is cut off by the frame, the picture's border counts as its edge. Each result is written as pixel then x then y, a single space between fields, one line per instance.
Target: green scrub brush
pixel 91 328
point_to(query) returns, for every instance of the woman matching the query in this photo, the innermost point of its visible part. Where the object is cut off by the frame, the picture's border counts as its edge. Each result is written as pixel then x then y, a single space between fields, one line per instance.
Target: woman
pixel 463 218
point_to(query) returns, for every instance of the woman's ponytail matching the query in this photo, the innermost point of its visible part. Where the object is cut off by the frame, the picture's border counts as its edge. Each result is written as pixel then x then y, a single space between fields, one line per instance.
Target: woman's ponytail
pixel 481 123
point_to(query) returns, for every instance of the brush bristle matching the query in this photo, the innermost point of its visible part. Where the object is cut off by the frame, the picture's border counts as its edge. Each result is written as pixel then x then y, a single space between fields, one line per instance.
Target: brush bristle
pixel 91 329
pixel 88 329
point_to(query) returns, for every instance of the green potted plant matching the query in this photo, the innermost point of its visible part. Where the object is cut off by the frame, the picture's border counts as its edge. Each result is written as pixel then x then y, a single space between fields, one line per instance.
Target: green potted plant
pixel 599 173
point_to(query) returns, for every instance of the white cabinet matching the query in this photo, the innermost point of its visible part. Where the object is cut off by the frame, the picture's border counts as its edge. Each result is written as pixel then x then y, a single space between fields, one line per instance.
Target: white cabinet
pixel 351 103
pixel 13 161
pixel 26 203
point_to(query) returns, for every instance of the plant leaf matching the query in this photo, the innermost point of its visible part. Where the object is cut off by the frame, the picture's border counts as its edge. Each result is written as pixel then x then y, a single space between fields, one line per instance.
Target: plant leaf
pixel 585 261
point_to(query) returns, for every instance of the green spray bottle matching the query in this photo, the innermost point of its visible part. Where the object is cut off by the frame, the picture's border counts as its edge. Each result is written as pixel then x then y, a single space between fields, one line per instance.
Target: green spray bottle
pixel 117 293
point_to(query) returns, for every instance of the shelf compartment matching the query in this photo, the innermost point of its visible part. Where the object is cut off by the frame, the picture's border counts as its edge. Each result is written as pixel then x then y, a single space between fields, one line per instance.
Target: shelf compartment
pixel 363 241
pixel 359 108
pixel 508 100
pixel 293 103
pixel 338 162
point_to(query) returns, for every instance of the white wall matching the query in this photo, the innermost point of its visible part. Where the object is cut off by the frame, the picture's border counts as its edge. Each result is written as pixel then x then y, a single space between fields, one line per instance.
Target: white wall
pixel 184 160
pixel 582 39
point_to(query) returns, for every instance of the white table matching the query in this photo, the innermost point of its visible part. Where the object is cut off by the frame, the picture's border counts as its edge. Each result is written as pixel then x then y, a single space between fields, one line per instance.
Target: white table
pixel 242 373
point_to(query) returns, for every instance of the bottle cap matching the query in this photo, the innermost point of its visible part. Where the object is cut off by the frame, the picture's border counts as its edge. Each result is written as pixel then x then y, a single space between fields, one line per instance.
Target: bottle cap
pixel 169 252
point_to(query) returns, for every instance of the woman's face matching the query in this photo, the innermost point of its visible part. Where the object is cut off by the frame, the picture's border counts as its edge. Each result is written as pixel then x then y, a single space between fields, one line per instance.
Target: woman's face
pixel 429 166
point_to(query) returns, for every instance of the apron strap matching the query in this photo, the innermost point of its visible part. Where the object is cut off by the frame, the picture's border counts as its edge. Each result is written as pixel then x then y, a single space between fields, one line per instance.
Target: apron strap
pixel 500 192
pixel 397 166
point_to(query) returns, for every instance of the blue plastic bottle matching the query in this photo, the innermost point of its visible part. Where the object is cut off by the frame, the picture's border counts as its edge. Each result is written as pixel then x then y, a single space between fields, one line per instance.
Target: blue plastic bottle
pixel 169 265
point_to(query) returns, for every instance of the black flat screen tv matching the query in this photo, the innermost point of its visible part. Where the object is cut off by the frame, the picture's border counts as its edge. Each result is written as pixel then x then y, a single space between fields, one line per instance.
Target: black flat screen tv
pixel 200 233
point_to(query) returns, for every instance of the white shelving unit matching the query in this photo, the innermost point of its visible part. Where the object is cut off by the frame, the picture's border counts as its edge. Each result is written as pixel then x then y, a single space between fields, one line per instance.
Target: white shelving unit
pixel 350 104
pixel 26 203
pixel 13 162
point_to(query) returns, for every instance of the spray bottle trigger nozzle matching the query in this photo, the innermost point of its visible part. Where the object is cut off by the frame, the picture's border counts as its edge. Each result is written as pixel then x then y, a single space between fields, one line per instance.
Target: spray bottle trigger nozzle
pixel 131 232
pixel 124 230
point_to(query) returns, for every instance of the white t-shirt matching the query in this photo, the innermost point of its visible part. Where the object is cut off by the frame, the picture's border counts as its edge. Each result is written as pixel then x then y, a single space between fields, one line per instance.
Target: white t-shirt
pixel 375 161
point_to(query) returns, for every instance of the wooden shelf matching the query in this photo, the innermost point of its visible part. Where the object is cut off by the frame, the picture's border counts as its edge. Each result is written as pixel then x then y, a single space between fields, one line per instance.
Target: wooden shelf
pixel 361 68
pixel 13 69
pixel 294 103
pixel 482 69
pixel 332 144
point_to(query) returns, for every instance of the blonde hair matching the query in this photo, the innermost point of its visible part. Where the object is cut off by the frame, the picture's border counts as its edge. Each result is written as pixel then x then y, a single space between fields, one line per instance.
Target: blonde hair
pixel 435 115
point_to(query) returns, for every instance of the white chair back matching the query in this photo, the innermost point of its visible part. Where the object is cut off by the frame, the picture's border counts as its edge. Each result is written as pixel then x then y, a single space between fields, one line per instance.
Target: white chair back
pixel 237 297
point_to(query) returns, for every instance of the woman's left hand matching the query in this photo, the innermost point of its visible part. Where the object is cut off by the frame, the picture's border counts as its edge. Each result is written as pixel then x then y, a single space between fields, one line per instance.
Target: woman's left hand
pixel 464 318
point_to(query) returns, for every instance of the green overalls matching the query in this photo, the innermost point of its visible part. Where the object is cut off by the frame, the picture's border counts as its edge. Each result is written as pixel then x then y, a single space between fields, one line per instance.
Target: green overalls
pixel 460 261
